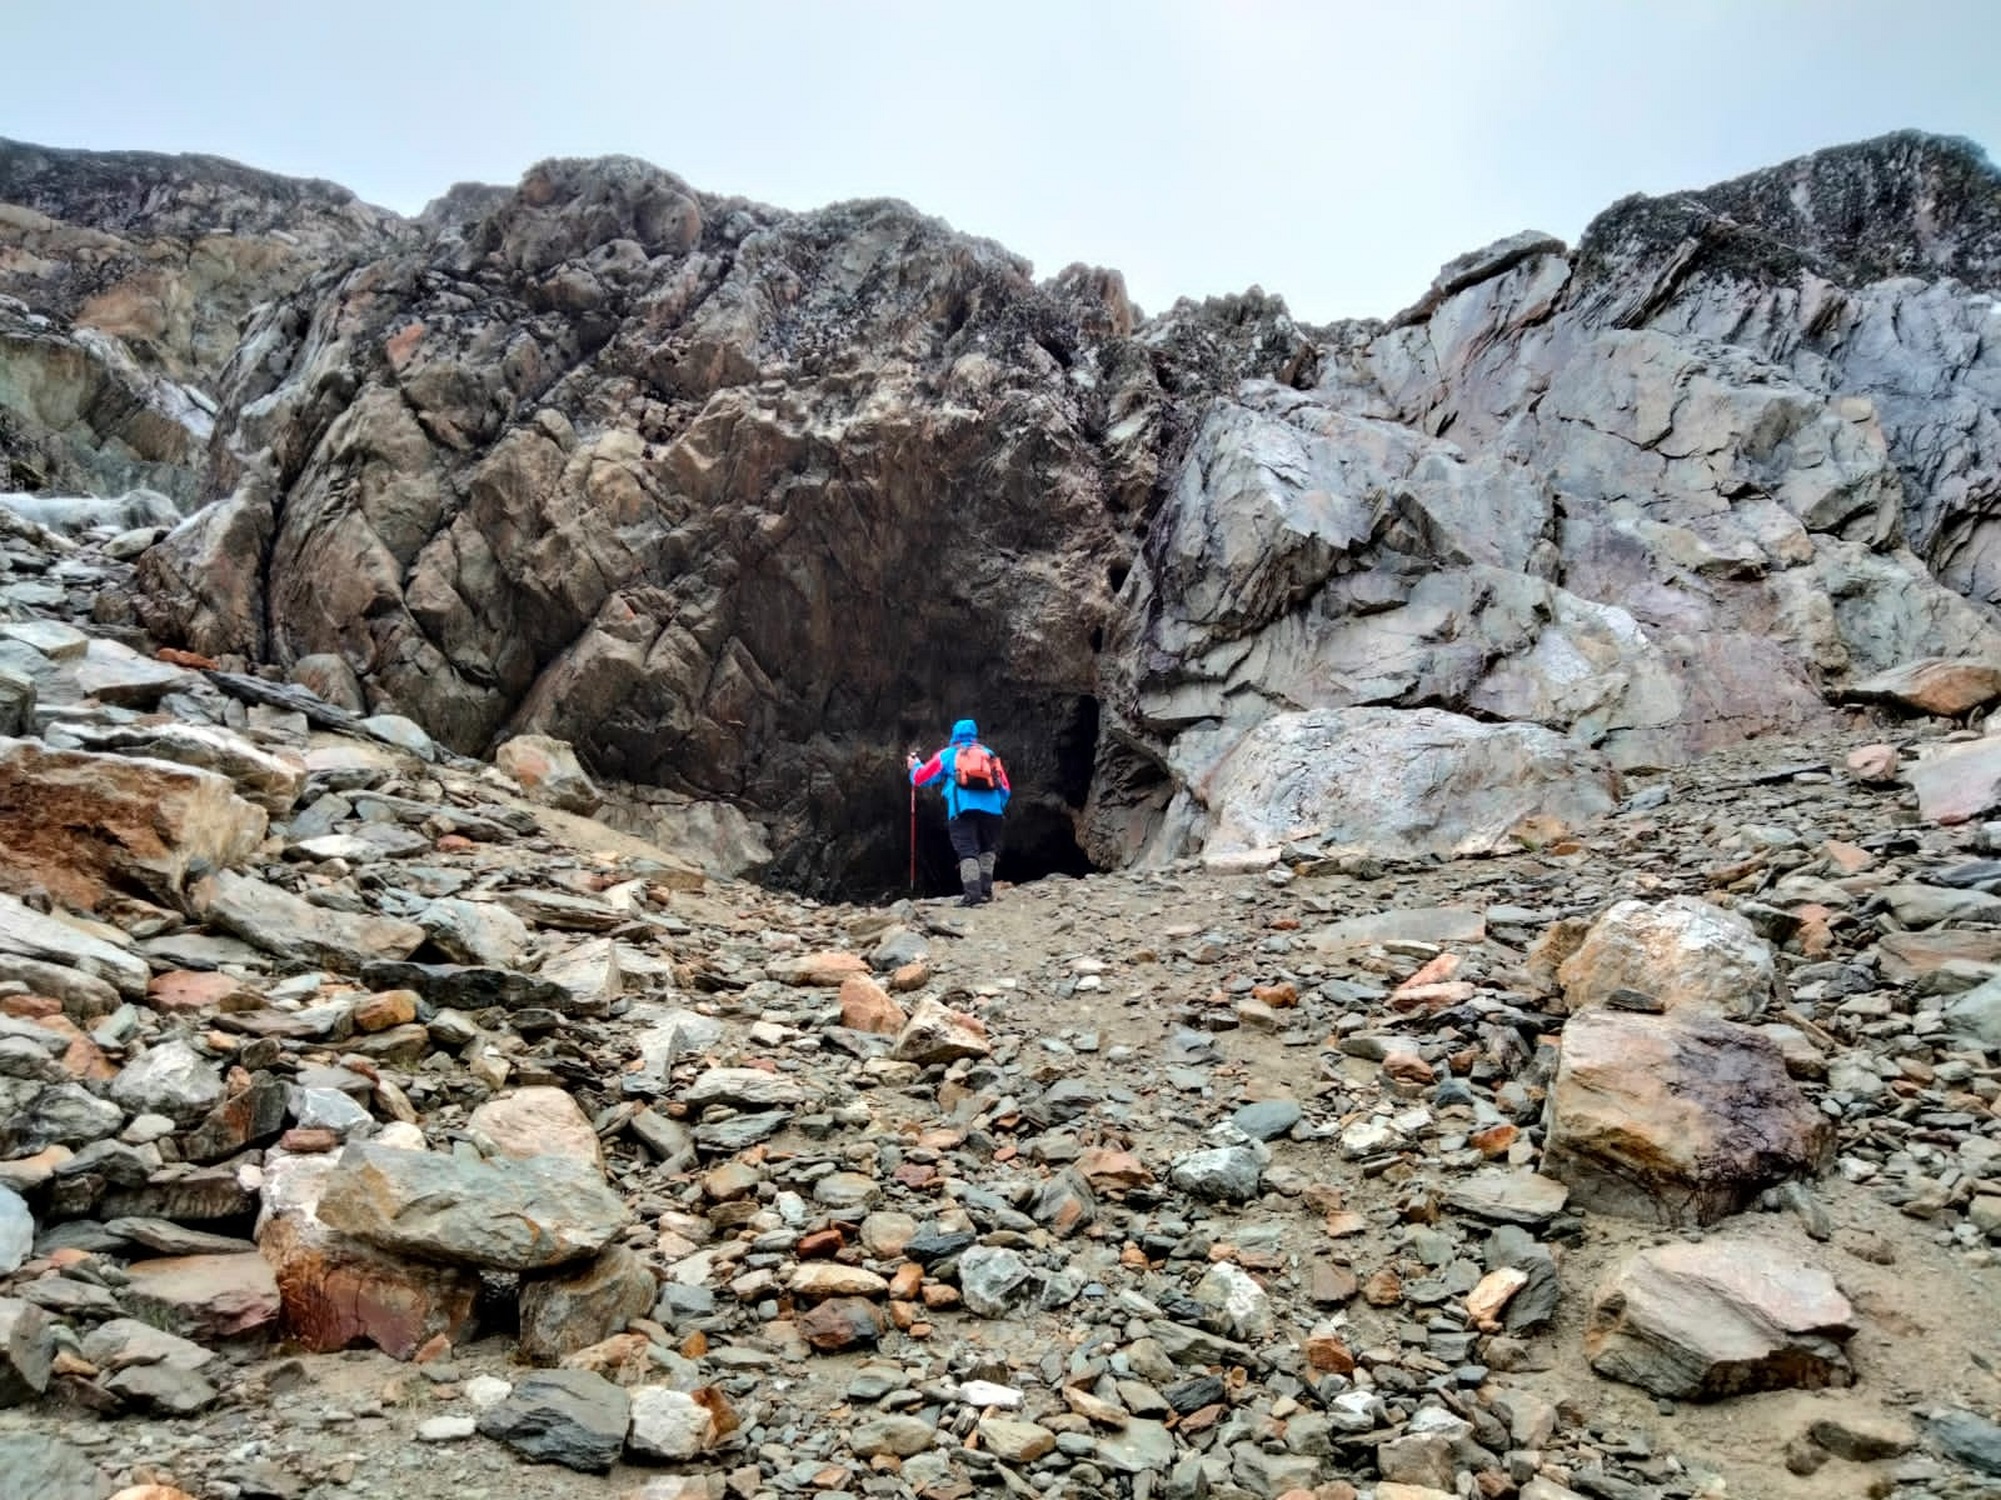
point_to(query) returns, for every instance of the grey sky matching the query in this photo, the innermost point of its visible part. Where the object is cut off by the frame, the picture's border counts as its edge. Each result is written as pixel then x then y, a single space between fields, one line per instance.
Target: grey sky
pixel 1335 152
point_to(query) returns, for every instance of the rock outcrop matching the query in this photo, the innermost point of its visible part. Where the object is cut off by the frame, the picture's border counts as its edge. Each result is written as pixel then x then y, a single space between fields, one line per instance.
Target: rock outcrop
pixel 740 502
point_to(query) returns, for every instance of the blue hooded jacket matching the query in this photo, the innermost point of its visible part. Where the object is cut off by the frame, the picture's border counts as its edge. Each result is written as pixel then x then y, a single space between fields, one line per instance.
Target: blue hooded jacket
pixel 944 764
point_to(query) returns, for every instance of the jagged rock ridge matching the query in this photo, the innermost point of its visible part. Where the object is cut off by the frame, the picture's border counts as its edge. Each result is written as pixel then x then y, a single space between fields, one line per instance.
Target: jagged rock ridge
pixel 741 501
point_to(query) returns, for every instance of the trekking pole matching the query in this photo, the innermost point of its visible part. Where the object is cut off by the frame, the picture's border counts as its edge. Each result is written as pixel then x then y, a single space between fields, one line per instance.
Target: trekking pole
pixel 913 836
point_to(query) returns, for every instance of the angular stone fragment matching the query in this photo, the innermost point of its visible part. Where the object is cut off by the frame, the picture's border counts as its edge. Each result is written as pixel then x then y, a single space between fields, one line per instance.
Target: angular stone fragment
pixel 171 1079
pixel 668 1425
pixel 1719 1318
pixel 1957 783
pixel 479 933
pixel 829 969
pixel 841 1323
pixel 865 1006
pixel 1508 1197
pixel 505 1214
pixel 743 1088
pixel 937 1034
pixel 1676 1119
pixel 1226 1174
pixel 573 1308
pixel 17 1231
pixel 282 924
pixel 1444 924
pixel 28 934
pixel 1681 951
pixel 204 1297
pixel 540 1120
pixel 568 1417
pixel 81 825
pixel 27 1347
pixel 548 771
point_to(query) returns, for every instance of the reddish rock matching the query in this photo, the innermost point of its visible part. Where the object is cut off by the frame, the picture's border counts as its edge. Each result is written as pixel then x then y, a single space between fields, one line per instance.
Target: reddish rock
pixel 841 1323
pixel 820 1242
pixel 308 1140
pixel 624 1359
pixel 824 970
pixel 337 1293
pixel 1327 1353
pixel 1494 1140
pixel 187 990
pixel 912 976
pixel 1873 765
pixel 204 1297
pixel 81 825
pixel 382 1011
pixel 1676 1119
pixel 1107 1168
pixel 1383 1289
pixel 866 1007
pixel 1944 686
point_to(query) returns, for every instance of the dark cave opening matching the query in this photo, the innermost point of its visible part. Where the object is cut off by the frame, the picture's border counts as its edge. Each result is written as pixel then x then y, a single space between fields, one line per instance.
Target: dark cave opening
pixel 1052 780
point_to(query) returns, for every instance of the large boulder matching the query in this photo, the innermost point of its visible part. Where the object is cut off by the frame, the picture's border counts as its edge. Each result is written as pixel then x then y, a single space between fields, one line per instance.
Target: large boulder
pixel 507 1214
pixel 1400 783
pixel 1683 952
pixel 271 781
pixel 1719 1318
pixel 81 825
pixel 1677 1119
pixel 338 1292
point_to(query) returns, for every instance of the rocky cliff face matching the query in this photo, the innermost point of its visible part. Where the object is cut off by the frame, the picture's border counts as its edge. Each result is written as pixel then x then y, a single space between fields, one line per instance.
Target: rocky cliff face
pixel 741 501
pixel 124 277
pixel 1677 488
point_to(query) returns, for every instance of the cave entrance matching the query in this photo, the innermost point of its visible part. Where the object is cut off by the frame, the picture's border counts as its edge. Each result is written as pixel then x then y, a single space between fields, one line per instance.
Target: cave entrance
pixel 1039 836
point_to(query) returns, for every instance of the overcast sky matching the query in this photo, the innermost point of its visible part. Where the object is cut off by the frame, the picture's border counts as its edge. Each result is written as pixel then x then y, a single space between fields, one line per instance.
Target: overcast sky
pixel 1335 152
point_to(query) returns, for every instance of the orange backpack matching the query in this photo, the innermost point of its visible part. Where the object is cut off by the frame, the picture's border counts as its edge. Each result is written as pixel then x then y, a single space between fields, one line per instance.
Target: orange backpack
pixel 976 768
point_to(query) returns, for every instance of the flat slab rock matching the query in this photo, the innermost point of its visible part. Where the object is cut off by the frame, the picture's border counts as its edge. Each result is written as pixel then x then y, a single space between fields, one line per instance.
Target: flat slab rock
pixel 1720 1318
pixel 505 1214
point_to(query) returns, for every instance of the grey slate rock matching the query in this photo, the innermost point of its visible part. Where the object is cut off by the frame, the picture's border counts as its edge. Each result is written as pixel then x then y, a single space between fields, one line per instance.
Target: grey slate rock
pixel 1268 1119
pixel 37 1466
pixel 570 1417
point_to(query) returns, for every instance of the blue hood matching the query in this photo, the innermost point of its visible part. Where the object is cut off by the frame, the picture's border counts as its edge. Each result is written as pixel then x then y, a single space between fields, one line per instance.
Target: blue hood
pixel 965 732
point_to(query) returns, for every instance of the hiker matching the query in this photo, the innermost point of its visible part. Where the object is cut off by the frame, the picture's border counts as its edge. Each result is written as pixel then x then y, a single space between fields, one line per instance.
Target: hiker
pixel 976 791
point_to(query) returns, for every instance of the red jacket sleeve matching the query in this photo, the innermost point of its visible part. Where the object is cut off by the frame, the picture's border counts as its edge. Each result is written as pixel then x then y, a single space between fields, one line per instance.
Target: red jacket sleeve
pixel 929 772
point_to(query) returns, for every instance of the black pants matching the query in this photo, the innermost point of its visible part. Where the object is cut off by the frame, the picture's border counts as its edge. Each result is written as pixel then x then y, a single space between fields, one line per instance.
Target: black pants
pixel 974 833
pixel 976 840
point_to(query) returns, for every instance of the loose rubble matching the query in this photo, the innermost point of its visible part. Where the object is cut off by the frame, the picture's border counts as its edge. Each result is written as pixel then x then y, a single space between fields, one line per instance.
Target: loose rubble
pixel 420 1137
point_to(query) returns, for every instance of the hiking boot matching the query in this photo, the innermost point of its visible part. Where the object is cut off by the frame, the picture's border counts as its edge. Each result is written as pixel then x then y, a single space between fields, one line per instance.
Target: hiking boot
pixel 986 890
pixel 969 899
